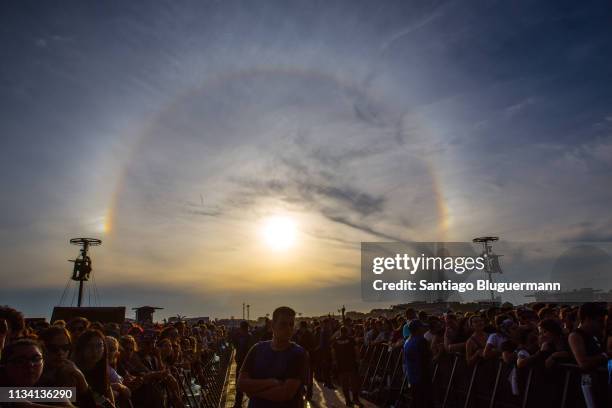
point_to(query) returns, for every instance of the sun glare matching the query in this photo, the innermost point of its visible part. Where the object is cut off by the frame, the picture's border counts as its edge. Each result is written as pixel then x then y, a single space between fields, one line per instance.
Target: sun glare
pixel 279 232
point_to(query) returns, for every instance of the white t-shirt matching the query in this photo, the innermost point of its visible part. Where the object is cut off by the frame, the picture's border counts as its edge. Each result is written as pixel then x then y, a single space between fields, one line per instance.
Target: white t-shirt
pixel 496 340
pixel 514 373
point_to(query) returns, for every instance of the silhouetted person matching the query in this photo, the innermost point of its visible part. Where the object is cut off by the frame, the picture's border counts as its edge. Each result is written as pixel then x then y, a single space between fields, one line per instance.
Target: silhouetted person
pixel 588 351
pixel 345 355
pixel 273 372
pixel 243 341
pixel 305 338
pixel 417 365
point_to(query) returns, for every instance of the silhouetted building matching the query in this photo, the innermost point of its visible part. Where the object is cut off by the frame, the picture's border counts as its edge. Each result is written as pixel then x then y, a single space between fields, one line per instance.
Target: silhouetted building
pixel 144 314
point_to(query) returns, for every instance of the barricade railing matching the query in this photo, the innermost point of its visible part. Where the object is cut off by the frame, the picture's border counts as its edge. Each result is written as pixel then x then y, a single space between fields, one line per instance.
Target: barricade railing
pixel 205 390
pixel 487 384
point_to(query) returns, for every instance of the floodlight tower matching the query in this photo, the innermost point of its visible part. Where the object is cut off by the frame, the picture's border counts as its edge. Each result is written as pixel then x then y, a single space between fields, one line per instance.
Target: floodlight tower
pixel 82 263
pixel 491 259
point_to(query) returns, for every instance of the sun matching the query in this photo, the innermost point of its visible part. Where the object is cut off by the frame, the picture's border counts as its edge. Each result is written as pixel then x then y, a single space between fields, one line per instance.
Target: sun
pixel 279 232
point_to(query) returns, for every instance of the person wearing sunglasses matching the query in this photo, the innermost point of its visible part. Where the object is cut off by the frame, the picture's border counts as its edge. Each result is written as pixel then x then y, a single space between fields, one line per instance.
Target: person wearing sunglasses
pixel 59 370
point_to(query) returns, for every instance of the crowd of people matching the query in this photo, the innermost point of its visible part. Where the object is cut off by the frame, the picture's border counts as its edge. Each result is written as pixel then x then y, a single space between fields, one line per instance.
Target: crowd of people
pixel 332 351
pixel 130 365
pixel 109 365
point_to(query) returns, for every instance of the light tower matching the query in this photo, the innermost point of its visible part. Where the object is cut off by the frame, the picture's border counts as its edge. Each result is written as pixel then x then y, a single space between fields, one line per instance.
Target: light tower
pixel 491 259
pixel 82 264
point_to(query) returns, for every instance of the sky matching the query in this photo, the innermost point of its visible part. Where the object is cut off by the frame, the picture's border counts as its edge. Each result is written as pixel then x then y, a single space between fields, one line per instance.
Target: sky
pixel 175 130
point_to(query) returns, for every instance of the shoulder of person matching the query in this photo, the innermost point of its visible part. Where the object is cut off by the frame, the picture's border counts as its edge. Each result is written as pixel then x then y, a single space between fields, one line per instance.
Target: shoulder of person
pixel 296 348
pixel 262 343
pixel 578 331
pixel 523 353
pixel 577 335
pixel 422 341
pixel 258 345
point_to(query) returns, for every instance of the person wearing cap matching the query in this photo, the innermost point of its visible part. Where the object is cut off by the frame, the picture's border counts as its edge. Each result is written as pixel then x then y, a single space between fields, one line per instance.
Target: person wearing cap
pixel 417 365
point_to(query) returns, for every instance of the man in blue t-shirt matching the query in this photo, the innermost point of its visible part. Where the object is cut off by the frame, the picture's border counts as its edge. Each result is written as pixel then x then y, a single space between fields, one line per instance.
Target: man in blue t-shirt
pixel 273 371
pixel 410 316
pixel 417 365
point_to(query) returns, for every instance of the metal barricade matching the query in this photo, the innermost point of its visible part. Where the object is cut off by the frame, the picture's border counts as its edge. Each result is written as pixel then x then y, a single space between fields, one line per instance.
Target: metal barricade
pixel 207 390
pixel 487 385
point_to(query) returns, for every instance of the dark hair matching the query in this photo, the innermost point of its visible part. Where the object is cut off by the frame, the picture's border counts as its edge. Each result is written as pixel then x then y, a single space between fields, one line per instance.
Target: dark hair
pixel 135 331
pixel 163 341
pixel 552 326
pixel 508 346
pixel 544 311
pixel 97 377
pixel 568 313
pixel 475 316
pixel 53 331
pixel 13 317
pixel 72 322
pixel 500 318
pixel 170 359
pixel 282 311
pixel 125 339
pixel 523 335
pixel 166 331
pixel 592 311
pixel 244 325
pixel 9 349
